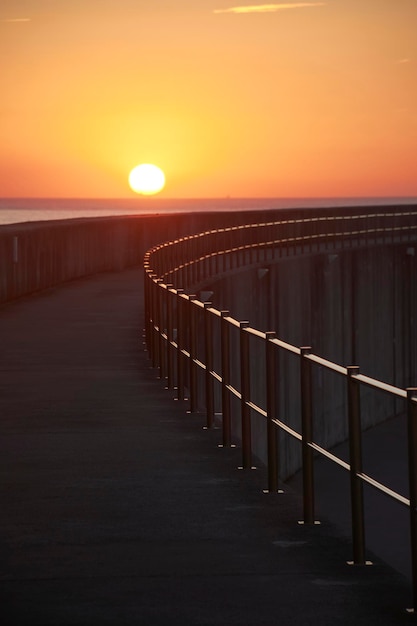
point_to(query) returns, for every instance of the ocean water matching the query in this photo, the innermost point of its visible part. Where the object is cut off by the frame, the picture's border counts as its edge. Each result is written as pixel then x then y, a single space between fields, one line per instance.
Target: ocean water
pixel 19 210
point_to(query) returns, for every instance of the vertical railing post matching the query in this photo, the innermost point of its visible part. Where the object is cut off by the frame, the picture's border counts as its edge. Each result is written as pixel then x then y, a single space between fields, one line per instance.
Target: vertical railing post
pixel 272 430
pixel 156 356
pixel 163 349
pixel 189 259
pixel 193 351
pixel 208 348
pixel 232 247
pixel 151 302
pixel 217 249
pixel 180 360
pixel 170 333
pixel 225 351
pixel 194 262
pixel 245 396
pixel 355 453
pixel 412 477
pixel 147 313
pixel 256 240
pixel 307 436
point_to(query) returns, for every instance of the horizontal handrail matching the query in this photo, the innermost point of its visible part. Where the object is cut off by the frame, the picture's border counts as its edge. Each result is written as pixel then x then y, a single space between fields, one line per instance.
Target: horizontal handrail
pixel 192 261
pixel 384 489
pixel 290 431
pixel 339 369
pixel 377 384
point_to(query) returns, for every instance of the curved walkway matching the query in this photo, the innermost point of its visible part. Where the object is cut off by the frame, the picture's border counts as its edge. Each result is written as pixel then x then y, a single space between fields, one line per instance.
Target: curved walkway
pixel 118 508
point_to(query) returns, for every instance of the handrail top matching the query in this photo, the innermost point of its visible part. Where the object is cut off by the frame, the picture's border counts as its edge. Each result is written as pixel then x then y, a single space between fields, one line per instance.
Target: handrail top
pixel 321 218
pixel 377 384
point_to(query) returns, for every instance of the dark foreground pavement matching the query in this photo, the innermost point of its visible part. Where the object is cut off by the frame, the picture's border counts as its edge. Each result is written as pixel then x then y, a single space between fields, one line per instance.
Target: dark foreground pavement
pixel 118 508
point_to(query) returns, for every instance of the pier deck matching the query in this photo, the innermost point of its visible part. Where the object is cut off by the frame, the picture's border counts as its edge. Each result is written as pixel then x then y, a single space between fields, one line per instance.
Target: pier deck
pixel 118 508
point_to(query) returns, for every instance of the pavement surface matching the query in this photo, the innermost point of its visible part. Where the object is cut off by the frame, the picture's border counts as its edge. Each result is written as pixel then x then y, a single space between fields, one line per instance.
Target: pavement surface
pixel 117 507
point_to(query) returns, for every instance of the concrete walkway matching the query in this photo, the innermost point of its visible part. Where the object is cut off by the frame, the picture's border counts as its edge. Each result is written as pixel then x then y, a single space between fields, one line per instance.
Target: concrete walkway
pixel 118 508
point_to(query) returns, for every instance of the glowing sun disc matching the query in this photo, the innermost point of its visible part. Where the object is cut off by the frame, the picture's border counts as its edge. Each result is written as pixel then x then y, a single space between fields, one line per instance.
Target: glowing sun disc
pixel 147 179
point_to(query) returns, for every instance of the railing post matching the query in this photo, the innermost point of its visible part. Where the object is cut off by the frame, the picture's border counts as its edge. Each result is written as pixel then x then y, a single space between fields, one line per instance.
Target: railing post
pixel 180 360
pixel 147 282
pixel 245 396
pixel 170 330
pixel 163 353
pixel 225 350
pixel 272 430
pixel 193 352
pixel 151 348
pixel 208 344
pixel 194 262
pixel 189 258
pixel 307 436
pixel 147 312
pixel 156 354
pixel 355 452
pixel 412 477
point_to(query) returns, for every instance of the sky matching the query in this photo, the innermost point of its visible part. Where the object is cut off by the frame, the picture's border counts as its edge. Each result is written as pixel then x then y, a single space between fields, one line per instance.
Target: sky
pixel 230 98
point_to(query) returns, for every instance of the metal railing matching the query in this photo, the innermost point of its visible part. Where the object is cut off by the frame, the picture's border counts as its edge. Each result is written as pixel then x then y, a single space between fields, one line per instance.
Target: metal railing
pixel 190 342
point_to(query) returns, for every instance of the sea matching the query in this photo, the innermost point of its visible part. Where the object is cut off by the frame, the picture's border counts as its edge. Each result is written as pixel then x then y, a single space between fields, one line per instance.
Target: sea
pixel 19 210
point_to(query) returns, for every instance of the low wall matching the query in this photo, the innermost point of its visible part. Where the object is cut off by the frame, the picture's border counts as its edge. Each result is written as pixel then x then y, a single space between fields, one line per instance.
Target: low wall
pixel 353 307
pixel 39 255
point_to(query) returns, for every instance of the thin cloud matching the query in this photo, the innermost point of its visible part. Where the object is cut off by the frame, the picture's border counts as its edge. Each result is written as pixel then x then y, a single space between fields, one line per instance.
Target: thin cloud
pixel 10 20
pixel 270 8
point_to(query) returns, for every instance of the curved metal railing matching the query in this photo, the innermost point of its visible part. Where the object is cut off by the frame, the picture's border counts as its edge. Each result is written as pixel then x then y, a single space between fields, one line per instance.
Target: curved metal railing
pixel 187 348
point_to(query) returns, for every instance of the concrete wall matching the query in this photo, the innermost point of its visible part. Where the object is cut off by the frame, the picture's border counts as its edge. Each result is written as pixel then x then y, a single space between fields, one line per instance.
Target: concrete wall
pixel 38 255
pixel 356 307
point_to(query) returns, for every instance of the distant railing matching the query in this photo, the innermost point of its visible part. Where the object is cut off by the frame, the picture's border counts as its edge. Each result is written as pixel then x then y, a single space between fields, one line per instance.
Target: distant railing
pixel 190 342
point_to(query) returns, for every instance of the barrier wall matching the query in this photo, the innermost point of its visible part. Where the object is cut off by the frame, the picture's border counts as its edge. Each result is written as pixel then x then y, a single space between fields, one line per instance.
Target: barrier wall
pixel 353 307
pixel 38 255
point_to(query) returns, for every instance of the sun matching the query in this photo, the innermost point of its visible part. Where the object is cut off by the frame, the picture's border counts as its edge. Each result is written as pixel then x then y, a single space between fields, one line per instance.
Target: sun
pixel 147 179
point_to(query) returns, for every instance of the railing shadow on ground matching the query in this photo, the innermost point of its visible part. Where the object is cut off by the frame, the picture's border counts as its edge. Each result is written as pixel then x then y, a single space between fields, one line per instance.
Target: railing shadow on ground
pixel 207 354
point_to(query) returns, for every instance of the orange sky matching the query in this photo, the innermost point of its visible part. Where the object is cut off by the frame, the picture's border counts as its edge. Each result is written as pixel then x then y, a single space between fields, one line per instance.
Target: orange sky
pixel 228 98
